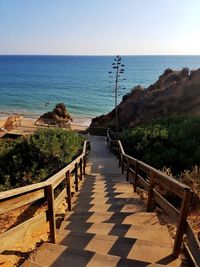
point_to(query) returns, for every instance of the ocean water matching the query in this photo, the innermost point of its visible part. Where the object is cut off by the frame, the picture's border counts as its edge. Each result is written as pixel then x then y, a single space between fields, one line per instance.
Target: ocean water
pixel 32 85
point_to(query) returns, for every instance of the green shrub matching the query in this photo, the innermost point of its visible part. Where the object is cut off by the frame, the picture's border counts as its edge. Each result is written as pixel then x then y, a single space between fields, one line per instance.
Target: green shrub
pixel 173 143
pixel 35 158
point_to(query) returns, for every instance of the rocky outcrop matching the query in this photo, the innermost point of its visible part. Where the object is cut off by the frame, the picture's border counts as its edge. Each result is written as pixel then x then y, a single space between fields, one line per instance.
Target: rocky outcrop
pixel 175 92
pixel 58 117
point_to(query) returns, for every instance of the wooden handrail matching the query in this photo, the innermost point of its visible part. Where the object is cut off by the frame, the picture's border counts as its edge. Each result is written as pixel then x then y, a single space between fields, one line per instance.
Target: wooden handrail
pixel 153 177
pixel 15 198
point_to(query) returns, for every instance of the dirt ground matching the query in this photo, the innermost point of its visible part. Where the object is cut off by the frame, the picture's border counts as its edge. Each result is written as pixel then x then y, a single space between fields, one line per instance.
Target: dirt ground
pixel 19 252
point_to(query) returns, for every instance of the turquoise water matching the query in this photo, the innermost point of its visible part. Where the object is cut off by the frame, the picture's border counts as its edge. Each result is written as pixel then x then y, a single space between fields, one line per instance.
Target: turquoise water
pixel 27 83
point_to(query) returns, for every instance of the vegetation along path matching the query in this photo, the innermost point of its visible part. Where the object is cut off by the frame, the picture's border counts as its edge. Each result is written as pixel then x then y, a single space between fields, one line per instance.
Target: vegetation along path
pixel 108 225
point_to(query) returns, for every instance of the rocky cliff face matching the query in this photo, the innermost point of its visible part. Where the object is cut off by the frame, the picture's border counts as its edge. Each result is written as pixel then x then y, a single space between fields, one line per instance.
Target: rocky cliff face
pixel 175 92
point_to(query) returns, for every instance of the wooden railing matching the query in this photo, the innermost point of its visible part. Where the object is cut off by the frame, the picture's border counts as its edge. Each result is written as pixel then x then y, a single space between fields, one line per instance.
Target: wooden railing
pixel 46 191
pixel 151 180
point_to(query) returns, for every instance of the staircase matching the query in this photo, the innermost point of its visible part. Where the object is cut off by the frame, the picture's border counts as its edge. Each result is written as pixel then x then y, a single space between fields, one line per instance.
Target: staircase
pixel 108 225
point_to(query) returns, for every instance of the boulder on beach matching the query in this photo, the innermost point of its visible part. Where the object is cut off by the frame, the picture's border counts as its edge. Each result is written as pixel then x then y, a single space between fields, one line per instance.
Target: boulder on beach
pixel 59 117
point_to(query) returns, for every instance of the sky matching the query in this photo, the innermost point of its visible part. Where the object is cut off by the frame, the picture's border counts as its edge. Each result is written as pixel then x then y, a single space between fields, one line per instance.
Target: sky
pixel 100 27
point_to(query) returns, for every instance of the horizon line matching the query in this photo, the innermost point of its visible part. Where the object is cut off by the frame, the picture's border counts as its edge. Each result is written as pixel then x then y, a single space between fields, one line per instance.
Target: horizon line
pixel 90 55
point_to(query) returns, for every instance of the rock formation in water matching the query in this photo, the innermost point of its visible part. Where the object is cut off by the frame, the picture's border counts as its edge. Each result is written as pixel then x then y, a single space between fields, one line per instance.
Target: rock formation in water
pixel 175 92
pixel 58 117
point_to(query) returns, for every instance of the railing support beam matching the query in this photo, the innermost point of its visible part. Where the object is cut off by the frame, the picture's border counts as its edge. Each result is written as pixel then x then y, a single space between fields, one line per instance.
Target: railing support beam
pixel 69 196
pixel 76 177
pixel 150 192
pixel 135 183
pixel 81 169
pixel 51 213
pixel 188 194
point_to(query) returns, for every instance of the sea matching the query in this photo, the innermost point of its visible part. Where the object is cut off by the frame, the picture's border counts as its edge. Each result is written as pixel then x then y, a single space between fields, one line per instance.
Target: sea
pixel 33 85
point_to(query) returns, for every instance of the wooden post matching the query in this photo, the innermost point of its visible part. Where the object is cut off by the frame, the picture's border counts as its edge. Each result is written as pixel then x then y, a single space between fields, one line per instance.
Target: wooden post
pixel 84 164
pixel 118 151
pixel 135 183
pixel 187 199
pixel 111 146
pixel 81 169
pixel 76 177
pixel 150 191
pixel 127 171
pixel 51 213
pixel 69 196
pixel 122 163
pixel 120 159
pixel 116 147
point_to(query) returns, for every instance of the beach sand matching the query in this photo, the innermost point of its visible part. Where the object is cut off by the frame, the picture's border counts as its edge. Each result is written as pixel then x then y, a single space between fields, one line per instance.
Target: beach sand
pixel 27 126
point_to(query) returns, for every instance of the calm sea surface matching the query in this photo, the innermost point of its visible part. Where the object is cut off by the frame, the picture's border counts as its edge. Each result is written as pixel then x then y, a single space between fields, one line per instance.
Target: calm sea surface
pixel 28 83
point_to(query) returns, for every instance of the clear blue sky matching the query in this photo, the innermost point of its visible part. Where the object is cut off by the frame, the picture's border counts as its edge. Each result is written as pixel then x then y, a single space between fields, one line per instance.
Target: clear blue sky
pixel 100 27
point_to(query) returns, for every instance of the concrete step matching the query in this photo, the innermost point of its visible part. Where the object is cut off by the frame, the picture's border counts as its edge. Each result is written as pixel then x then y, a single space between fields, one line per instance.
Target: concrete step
pixel 130 248
pixel 107 200
pixel 30 263
pixel 106 191
pixel 62 256
pixel 106 182
pixel 118 207
pixel 146 232
pixel 137 218
pixel 102 194
pixel 98 179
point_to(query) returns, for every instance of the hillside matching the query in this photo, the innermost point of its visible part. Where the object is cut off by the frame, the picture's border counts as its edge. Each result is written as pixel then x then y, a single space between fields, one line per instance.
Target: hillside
pixel 175 92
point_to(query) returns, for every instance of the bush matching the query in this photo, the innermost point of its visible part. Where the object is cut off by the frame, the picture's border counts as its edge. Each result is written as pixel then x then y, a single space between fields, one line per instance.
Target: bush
pixel 172 143
pixel 33 159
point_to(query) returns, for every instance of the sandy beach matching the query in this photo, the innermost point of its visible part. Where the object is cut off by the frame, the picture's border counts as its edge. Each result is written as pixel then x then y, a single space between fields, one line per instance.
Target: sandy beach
pixel 28 125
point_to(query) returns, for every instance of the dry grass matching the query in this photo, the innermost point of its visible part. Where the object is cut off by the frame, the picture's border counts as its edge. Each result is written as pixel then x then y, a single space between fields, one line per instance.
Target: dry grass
pixel 192 179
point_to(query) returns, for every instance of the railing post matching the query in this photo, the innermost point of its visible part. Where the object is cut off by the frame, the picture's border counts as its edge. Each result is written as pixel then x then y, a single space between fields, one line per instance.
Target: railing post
pixel 187 199
pixel 118 151
pixel 69 197
pixel 116 147
pixel 76 177
pixel 122 162
pixel 84 164
pixel 135 183
pixel 120 158
pixel 127 171
pixel 51 213
pixel 81 169
pixel 111 146
pixel 150 191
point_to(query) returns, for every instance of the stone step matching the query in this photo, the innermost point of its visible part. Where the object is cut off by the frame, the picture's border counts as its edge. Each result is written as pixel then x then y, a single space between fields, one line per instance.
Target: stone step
pixel 146 232
pixel 130 248
pixel 139 218
pixel 63 256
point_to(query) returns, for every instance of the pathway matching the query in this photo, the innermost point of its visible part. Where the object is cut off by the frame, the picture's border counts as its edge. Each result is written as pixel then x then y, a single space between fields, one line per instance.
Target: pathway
pixel 108 225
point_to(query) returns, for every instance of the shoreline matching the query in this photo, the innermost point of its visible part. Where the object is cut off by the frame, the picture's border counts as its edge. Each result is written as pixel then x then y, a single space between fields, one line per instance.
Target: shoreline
pixel 28 124
pixel 77 120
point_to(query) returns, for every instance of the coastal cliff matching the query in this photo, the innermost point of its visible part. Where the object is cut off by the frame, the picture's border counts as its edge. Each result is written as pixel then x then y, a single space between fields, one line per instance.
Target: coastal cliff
pixel 174 93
